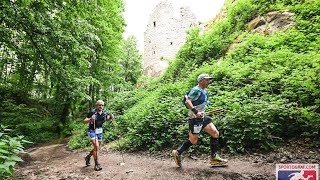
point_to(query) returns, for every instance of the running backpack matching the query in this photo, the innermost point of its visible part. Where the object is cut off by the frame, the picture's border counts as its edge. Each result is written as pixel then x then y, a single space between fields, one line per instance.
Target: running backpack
pixel 201 97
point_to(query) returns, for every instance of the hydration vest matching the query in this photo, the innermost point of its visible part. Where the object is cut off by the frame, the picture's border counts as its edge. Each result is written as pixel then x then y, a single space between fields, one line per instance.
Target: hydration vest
pixel 104 113
pixel 201 98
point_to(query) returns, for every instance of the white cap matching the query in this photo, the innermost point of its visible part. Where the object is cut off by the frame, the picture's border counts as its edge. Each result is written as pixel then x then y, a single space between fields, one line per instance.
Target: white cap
pixel 204 76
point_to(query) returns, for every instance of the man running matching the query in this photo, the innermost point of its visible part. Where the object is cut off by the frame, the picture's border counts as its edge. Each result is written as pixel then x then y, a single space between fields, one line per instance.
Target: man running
pixel 96 117
pixel 196 101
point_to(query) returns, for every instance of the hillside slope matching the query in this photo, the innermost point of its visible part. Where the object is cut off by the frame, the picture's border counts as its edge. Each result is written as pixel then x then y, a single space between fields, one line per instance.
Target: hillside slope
pixel 264 57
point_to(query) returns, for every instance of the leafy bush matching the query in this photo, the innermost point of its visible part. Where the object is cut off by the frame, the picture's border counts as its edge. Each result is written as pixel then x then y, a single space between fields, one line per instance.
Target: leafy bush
pixel 9 148
pixel 35 123
pixel 154 122
pixel 79 138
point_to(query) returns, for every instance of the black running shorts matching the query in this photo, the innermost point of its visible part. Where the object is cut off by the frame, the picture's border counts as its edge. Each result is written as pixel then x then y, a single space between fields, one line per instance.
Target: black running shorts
pixel 197 124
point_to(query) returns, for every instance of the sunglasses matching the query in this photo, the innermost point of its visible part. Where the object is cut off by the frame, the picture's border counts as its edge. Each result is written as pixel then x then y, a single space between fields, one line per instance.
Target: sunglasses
pixel 100 105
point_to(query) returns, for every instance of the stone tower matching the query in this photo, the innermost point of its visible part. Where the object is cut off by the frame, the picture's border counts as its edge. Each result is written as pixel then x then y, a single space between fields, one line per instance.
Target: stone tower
pixel 164 35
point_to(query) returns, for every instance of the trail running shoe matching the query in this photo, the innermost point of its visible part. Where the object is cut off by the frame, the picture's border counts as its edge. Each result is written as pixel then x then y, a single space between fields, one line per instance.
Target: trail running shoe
pixel 87 159
pixel 177 158
pixel 217 160
pixel 97 167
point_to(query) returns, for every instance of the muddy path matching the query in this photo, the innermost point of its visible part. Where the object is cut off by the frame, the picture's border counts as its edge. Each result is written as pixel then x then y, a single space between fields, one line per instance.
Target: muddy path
pixel 55 161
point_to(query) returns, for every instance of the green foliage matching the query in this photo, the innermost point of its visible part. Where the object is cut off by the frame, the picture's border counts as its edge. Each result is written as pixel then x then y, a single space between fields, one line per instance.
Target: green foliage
pixel 201 49
pixel 261 71
pixel 28 119
pixel 241 12
pixel 125 100
pixel 80 137
pixel 10 147
pixel 251 123
pixel 269 84
pixel 131 60
pixel 155 121
pixel 56 58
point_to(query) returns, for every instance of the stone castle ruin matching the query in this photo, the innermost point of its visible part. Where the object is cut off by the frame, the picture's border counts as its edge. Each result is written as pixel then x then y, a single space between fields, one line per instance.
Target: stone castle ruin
pixel 164 35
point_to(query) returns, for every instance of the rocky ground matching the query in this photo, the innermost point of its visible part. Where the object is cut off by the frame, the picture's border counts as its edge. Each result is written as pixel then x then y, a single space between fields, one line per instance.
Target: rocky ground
pixel 55 161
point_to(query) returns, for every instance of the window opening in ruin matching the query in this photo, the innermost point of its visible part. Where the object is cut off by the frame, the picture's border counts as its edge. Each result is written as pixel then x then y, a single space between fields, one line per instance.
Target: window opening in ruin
pixel 154 52
pixel 154 24
pixel 171 43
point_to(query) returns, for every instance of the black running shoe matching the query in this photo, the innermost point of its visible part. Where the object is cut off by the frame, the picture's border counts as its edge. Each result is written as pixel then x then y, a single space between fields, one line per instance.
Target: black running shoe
pixel 97 167
pixel 87 159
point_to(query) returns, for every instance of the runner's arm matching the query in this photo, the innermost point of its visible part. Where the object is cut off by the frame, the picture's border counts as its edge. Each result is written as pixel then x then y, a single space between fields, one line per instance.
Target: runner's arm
pixel 86 120
pixel 89 118
pixel 110 117
pixel 193 109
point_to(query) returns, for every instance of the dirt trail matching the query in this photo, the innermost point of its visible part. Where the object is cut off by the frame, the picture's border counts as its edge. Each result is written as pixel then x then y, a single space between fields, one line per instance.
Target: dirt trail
pixel 55 161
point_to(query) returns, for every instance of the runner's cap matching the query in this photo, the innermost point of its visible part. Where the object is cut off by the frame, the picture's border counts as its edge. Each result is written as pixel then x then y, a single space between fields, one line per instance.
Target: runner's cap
pixel 203 76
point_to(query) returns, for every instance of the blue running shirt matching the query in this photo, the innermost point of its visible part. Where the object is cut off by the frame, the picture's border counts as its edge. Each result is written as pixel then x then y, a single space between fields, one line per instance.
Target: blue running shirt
pixel 196 93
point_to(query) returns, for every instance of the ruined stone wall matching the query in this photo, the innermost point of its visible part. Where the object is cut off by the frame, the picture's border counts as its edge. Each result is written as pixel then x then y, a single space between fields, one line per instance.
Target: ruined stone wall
pixel 164 35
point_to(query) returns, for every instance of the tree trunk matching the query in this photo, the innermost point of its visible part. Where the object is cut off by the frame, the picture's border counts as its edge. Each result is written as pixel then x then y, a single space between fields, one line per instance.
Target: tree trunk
pixel 64 114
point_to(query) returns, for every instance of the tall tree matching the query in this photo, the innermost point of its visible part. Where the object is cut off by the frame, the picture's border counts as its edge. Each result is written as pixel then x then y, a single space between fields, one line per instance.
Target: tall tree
pixel 131 60
pixel 57 49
